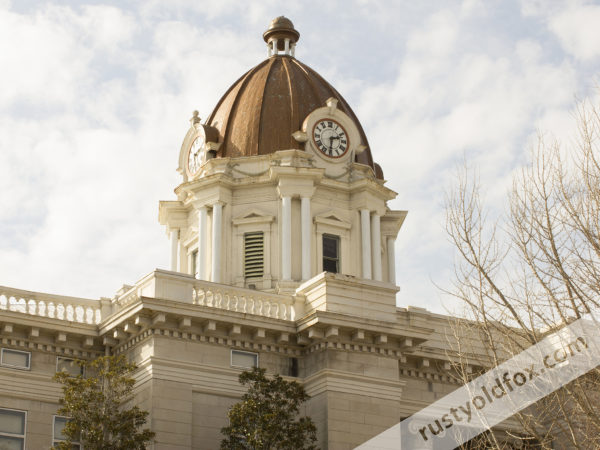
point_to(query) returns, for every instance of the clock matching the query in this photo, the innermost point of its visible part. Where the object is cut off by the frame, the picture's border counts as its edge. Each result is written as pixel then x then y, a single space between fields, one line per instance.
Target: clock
pixel 196 155
pixel 330 138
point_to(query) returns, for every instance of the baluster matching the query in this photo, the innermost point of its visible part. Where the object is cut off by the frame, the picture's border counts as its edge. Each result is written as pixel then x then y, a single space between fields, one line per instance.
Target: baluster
pixel 32 307
pixel 201 297
pixel 3 302
pixel 218 300
pixel 249 306
pixel 42 308
pixel 51 310
pixel 11 303
pixel 70 313
pixel 89 315
pixel 60 311
pixel 98 316
pixel 79 314
pixel 259 307
pixel 283 311
pixel 234 303
pixel 243 305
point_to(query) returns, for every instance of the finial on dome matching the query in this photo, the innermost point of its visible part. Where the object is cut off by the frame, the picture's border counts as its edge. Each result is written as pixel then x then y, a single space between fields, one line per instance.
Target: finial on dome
pixel 195 118
pixel 281 36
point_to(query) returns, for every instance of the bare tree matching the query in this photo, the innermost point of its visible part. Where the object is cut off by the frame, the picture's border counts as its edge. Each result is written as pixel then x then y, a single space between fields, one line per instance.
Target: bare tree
pixel 531 271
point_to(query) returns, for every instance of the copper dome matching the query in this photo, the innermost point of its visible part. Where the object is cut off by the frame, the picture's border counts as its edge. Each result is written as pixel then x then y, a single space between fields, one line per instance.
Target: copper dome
pixel 259 113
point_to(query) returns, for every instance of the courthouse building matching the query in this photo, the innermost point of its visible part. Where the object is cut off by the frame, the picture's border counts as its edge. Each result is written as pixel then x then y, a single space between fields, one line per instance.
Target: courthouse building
pixel 282 256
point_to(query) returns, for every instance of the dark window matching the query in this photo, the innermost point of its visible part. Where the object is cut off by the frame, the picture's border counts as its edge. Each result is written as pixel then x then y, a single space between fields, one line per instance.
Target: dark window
pixel 293 367
pixel 195 263
pixel 331 253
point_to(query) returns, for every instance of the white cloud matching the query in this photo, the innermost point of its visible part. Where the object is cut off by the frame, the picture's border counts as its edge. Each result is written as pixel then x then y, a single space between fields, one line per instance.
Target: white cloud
pixel 42 67
pixel 437 37
pixel 578 29
pixel 99 99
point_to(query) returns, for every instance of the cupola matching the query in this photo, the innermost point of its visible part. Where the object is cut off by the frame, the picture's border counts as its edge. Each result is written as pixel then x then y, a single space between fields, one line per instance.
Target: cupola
pixel 281 36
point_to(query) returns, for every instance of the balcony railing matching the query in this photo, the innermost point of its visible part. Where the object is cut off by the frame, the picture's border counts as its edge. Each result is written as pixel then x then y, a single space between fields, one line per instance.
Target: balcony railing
pixel 160 284
pixel 72 309
pixel 246 301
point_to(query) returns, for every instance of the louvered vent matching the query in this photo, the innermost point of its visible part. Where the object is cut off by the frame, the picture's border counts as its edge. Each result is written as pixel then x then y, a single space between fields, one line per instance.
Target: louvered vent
pixel 253 254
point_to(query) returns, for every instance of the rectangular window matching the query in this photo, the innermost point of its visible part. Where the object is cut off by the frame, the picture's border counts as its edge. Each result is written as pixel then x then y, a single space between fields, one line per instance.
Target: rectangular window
pixel 247 360
pixel 12 429
pixel 253 254
pixel 68 365
pixel 293 367
pixel 57 432
pixel 195 263
pixel 331 253
pixel 16 359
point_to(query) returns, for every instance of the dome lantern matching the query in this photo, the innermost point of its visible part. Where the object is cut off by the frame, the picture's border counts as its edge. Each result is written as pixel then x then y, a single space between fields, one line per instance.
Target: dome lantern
pixel 281 36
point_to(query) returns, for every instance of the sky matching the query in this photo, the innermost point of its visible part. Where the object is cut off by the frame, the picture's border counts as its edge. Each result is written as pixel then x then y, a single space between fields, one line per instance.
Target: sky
pixel 96 97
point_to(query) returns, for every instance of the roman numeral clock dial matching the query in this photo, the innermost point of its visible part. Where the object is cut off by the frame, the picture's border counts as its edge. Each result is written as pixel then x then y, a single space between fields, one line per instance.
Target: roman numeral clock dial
pixel 330 138
pixel 196 155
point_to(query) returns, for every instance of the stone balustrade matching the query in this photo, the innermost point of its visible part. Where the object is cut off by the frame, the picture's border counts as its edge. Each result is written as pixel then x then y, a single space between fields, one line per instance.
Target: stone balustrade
pixel 159 284
pixel 60 307
pixel 247 301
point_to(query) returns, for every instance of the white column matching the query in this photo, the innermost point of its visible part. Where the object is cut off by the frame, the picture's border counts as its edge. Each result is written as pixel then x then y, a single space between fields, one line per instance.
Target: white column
pixel 201 261
pixel 287 46
pixel 306 257
pixel 391 254
pixel 376 246
pixel 286 238
pixel 293 52
pixel 366 242
pixel 269 50
pixel 182 259
pixel 174 249
pixel 275 49
pixel 217 234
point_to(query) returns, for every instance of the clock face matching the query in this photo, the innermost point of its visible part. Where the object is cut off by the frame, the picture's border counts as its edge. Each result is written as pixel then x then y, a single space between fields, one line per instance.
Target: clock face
pixel 330 138
pixel 196 155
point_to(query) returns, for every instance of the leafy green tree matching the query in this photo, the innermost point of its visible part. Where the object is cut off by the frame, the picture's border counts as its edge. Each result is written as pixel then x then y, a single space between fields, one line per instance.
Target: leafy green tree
pixel 96 404
pixel 266 416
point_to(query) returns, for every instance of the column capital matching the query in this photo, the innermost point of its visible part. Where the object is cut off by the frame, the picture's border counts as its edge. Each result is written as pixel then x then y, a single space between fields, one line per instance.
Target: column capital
pixel 391 222
pixel 218 202
pixel 199 204
pixel 367 200
pixel 295 187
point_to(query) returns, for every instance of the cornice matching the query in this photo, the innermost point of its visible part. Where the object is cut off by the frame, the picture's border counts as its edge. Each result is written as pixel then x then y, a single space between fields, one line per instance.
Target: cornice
pixel 331 380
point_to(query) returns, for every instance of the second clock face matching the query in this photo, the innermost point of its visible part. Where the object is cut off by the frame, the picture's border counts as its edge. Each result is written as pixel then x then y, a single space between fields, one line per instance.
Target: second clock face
pixel 196 155
pixel 330 138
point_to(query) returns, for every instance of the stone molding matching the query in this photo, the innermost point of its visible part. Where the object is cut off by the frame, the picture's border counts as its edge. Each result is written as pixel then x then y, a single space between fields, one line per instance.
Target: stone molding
pixel 28 385
pixel 329 380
